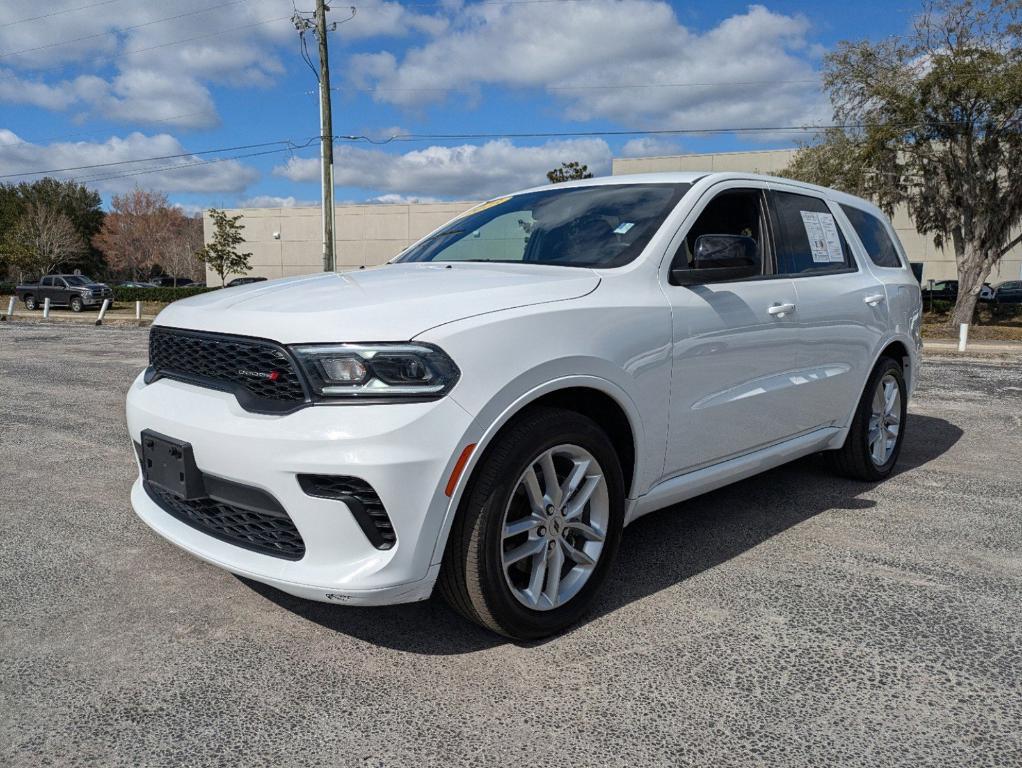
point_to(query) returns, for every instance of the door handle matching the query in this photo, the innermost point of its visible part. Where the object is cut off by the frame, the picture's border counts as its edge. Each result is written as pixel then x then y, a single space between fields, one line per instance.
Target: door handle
pixel 877 298
pixel 780 310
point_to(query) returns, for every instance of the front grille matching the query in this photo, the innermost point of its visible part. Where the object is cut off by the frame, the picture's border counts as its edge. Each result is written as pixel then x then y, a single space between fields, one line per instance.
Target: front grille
pixel 260 372
pixel 268 532
pixel 361 498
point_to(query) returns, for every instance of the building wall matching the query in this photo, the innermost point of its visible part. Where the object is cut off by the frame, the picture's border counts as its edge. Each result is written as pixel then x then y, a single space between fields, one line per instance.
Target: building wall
pixel 288 241
pixel 937 264
pixel 367 235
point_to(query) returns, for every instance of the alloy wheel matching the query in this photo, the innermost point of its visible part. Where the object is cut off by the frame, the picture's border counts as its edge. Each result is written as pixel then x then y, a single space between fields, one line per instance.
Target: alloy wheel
pixel 885 420
pixel 555 527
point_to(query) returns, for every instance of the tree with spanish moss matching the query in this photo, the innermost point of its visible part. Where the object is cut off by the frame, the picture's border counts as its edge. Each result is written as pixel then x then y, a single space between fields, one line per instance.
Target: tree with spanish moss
pixel 933 119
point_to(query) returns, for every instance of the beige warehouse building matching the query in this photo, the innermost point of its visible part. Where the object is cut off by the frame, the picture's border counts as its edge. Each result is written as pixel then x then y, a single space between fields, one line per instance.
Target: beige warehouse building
pixel 287 241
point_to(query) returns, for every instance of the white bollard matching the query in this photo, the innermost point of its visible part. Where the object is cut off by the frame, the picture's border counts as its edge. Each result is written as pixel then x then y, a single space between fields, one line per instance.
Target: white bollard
pixel 102 311
pixel 963 336
pixel 10 308
pixel 46 307
pixel 138 310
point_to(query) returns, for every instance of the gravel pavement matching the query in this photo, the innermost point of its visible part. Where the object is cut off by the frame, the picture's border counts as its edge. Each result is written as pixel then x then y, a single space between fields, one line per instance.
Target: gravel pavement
pixel 793 619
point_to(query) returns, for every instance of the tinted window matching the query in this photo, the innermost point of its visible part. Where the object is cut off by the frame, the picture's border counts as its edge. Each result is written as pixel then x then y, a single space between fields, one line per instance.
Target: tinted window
pixel 599 226
pixel 874 237
pixel 79 280
pixel 809 241
pixel 46 281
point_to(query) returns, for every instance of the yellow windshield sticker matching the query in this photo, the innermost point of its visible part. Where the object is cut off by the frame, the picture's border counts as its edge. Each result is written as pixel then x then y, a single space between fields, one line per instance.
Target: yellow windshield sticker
pixel 488 204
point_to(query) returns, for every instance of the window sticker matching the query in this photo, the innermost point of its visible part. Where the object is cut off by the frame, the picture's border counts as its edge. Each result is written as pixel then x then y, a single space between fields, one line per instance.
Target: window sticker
pixel 623 227
pixel 824 240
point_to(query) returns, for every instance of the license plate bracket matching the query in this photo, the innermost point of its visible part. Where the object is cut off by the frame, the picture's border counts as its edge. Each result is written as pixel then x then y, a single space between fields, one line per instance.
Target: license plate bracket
pixel 170 464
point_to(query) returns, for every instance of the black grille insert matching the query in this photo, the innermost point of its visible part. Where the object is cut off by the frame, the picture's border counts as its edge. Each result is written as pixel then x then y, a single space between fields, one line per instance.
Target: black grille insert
pixel 269 530
pixel 261 373
pixel 361 498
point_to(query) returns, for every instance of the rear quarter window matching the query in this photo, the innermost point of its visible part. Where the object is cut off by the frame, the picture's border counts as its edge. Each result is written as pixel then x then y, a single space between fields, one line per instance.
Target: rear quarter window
pixel 809 240
pixel 874 237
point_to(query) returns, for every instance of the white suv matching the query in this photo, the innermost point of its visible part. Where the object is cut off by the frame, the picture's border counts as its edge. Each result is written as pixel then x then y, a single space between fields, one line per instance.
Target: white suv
pixel 487 412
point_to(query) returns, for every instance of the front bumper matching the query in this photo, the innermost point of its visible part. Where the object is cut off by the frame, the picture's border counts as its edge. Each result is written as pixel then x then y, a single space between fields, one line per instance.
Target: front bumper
pixel 405 451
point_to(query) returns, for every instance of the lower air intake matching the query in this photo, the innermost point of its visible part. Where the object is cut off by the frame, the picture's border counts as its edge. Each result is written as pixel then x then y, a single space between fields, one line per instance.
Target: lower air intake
pixel 360 498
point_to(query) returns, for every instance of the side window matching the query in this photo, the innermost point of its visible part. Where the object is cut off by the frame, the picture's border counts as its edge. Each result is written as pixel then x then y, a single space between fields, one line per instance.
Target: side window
pixel 732 212
pixel 874 237
pixel 809 241
pixel 46 281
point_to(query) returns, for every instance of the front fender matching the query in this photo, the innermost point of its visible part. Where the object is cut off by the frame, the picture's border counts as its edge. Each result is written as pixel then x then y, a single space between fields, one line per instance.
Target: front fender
pixel 511 400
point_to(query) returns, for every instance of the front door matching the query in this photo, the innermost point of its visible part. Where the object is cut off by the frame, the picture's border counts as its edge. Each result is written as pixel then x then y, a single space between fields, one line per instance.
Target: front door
pixel 734 343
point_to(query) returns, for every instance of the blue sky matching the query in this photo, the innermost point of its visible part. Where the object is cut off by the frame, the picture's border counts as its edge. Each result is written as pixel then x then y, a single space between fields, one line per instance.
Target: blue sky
pixel 90 82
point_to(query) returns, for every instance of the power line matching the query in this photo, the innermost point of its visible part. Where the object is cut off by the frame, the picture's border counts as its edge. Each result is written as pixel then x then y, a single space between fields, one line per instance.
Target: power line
pixel 58 13
pixel 601 86
pixel 210 34
pixel 38 142
pixel 61 43
pixel 287 142
pixel 178 166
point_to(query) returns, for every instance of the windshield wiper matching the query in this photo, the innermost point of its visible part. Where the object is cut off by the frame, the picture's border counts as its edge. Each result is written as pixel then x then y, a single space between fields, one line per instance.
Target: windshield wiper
pixel 446 232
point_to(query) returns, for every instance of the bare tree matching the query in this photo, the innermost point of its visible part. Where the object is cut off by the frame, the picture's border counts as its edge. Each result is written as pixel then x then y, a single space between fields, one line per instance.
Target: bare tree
pixel 183 239
pixel 136 231
pixel 42 239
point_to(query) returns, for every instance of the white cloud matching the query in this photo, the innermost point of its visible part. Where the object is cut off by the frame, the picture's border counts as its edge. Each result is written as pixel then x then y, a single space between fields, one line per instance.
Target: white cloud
pixel 185 174
pixel 466 172
pixel 164 54
pixel 626 60
pixel 395 199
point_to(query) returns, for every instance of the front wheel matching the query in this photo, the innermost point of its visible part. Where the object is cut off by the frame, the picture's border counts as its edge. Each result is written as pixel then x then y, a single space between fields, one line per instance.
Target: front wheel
pixel 878 427
pixel 538 527
pixel 76 304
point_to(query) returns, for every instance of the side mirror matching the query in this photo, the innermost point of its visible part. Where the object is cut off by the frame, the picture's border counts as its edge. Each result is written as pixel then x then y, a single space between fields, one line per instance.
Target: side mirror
pixel 719 258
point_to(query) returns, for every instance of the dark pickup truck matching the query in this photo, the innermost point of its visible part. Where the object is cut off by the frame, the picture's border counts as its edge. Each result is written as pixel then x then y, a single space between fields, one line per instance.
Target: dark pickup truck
pixel 74 291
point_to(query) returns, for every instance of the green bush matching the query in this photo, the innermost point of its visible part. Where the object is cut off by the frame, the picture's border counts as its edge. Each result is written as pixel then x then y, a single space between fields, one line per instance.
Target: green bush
pixel 157 294
pixel 6 288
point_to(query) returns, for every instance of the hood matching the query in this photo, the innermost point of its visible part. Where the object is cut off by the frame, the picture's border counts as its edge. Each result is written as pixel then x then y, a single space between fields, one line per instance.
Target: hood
pixel 394 302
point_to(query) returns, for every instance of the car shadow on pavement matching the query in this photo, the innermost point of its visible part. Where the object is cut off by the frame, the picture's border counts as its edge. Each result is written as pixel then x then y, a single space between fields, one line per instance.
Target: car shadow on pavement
pixel 657 551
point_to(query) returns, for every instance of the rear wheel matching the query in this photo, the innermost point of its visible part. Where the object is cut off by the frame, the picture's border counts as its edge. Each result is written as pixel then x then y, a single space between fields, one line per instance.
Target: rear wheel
pixel 538 527
pixel 76 304
pixel 30 303
pixel 878 427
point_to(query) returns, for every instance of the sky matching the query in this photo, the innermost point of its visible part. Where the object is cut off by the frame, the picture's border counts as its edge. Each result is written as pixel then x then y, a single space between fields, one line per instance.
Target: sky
pixel 212 103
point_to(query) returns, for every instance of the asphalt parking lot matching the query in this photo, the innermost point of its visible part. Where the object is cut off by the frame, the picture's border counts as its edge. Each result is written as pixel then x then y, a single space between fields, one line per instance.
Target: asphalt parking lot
pixel 793 619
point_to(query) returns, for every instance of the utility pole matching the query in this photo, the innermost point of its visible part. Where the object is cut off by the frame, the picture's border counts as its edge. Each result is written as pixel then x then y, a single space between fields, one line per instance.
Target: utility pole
pixel 326 138
pixel 317 24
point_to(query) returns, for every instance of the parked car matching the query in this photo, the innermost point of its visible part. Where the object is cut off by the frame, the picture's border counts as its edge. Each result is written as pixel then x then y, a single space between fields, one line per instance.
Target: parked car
pixel 1008 292
pixel 947 290
pixel 171 282
pixel 244 281
pixel 488 411
pixel 136 284
pixel 74 291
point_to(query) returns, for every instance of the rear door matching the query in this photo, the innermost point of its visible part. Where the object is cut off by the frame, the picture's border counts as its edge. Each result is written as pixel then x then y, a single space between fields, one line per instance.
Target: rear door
pixel 842 306
pixel 47 290
pixel 734 342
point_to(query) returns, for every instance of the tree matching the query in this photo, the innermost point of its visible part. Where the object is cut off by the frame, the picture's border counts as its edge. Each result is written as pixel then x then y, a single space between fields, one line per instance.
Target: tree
pixel 81 205
pixel 220 254
pixel 184 239
pixel 569 172
pixel 135 232
pixel 41 240
pixel 934 120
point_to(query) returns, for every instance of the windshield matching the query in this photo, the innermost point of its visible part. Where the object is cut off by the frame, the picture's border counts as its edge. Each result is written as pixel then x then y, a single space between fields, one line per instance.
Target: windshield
pixel 78 280
pixel 598 226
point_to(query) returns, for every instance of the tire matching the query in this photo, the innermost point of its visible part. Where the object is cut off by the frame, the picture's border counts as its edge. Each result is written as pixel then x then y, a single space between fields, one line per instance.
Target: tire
pixel 480 576
pixel 30 303
pixel 76 304
pixel 863 457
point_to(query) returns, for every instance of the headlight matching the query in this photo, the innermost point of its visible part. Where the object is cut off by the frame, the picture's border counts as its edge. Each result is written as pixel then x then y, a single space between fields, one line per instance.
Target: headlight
pixel 87 294
pixel 406 370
